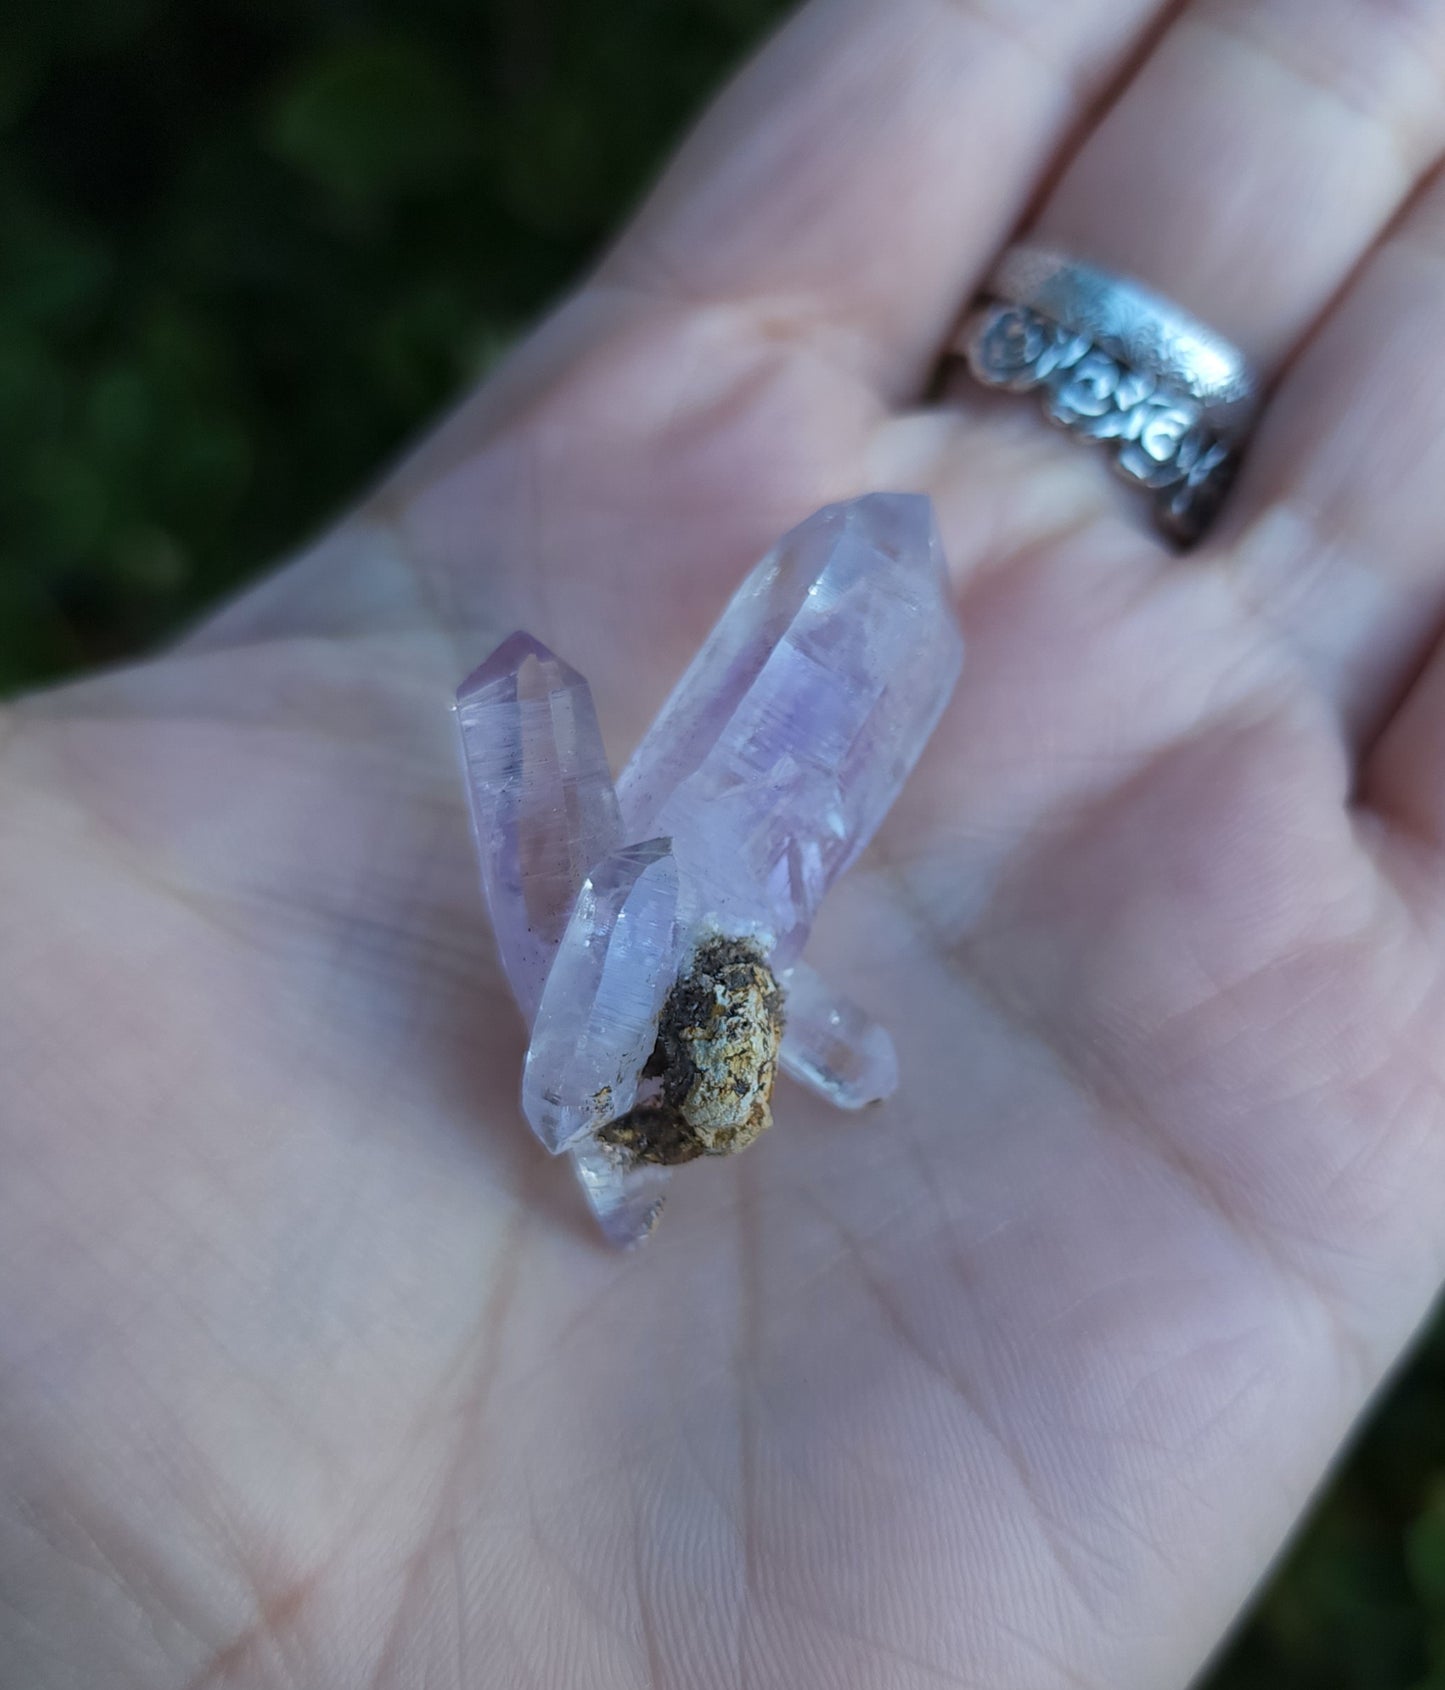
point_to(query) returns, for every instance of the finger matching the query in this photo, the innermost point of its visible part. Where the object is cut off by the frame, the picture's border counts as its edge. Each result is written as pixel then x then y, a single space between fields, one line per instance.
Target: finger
pixel 1338 540
pixel 859 175
pixel 1257 155
pixel 1404 780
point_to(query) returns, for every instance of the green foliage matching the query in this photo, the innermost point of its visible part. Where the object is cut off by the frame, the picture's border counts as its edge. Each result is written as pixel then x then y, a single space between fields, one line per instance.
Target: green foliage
pixel 253 245
pixel 249 247
pixel 372 121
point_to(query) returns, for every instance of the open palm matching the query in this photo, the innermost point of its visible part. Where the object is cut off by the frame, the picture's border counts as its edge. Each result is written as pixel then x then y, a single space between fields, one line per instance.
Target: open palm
pixel 311 1370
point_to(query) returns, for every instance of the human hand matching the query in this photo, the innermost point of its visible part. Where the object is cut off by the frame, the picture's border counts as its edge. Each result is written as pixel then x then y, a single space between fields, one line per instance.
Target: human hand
pixel 311 1371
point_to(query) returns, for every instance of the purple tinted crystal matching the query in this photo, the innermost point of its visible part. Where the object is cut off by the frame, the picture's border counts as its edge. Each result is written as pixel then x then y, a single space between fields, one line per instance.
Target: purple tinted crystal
pixel 626 1197
pixel 789 736
pixel 770 768
pixel 542 800
pixel 597 1022
pixel 543 812
pixel 832 1046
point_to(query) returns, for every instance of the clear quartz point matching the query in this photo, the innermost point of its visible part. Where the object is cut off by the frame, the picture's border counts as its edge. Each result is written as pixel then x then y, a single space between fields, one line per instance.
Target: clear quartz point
pixel 543 805
pixel 832 1046
pixel 597 1022
pixel 543 812
pixel 786 741
pixel 625 1197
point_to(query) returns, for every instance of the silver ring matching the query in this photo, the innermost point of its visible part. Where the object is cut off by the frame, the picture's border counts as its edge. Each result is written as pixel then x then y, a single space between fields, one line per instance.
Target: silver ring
pixel 1114 362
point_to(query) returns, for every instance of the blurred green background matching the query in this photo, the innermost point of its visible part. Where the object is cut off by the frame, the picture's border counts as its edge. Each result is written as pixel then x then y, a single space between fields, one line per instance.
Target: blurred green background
pixel 246 249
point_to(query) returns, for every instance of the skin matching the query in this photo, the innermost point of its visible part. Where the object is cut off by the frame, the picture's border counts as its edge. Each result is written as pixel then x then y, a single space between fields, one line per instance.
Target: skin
pixel 311 1371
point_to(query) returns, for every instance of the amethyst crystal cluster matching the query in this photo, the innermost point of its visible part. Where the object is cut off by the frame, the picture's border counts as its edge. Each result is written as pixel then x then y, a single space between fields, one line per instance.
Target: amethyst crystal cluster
pixel 652 930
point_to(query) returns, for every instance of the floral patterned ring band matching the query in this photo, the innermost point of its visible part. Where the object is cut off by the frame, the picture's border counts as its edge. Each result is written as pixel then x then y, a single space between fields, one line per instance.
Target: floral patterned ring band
pixel 1118 364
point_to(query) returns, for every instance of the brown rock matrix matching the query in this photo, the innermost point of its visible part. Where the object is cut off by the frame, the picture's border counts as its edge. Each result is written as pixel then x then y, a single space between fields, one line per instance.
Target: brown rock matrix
pixel 714 1063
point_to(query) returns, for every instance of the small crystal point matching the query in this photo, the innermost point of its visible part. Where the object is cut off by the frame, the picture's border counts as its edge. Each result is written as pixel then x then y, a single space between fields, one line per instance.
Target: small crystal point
pixel 832 1046
pixel 626 1196
pixel 597 1022
pixel 543 812
pixel 786 741
pixel 542 801
pixel 503 662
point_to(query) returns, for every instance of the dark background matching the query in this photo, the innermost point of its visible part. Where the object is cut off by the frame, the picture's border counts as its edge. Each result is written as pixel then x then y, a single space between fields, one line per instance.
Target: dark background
pixel 246 249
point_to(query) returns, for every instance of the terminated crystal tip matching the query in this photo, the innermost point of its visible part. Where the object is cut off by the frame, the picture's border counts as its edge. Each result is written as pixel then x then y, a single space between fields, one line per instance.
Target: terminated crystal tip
pixel 626 1196
pixel 510 658
pixel 833 1046
pixel 790 734
pixel 543 806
